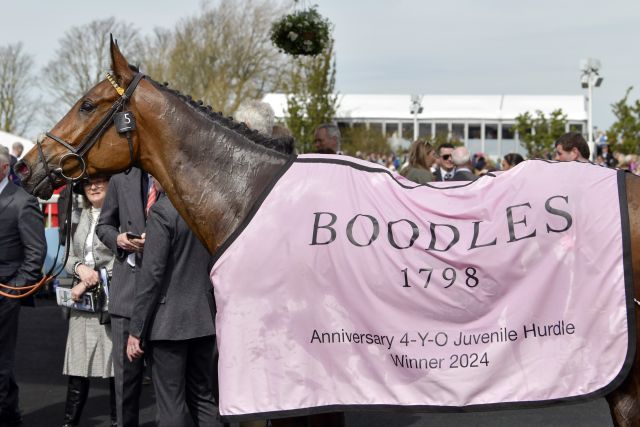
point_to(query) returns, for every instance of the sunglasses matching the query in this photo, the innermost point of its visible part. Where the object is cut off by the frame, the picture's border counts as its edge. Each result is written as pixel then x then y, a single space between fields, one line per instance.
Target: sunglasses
pixel 446 156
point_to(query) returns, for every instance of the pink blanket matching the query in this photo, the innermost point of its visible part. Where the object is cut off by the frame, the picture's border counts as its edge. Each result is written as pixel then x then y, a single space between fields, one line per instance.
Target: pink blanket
pixel 353 287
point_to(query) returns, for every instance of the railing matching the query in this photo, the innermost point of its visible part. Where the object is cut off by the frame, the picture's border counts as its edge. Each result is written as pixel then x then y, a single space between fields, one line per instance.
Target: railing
pixel 44 203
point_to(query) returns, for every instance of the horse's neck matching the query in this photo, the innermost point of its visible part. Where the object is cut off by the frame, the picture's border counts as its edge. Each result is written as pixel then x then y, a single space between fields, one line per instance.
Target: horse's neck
pixel 212 175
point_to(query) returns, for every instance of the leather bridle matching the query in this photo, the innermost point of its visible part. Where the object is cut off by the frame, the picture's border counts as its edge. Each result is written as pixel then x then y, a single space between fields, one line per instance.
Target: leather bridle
pixel 125 123
pixel 79 151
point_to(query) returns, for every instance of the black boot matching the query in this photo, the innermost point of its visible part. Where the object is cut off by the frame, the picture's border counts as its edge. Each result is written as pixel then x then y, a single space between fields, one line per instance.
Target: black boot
pixel 77 392
pixel 112 402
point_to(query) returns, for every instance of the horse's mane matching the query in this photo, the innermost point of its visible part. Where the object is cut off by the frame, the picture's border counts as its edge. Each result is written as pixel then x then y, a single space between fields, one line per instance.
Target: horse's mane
pixel 283 145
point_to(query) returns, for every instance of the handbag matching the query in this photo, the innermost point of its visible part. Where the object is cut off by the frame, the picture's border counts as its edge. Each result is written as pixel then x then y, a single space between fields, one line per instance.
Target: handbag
pixel 94 301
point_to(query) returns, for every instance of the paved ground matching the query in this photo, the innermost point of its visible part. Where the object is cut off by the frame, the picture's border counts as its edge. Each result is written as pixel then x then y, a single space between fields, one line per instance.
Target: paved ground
pixel 40 354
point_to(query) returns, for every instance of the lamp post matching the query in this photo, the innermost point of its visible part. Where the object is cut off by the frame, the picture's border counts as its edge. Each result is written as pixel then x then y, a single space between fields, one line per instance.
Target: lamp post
pixel 590 78
pixel 415 109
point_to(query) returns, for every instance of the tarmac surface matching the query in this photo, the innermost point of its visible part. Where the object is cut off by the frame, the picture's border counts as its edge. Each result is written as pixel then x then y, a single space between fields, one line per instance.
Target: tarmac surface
pixel 40 353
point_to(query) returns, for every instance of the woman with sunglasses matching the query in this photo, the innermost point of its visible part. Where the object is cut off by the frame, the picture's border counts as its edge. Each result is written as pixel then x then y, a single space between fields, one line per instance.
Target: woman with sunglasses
pixel 89 347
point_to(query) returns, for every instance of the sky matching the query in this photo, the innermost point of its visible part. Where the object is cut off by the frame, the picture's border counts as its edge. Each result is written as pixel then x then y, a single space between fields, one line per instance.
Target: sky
pixel 456 47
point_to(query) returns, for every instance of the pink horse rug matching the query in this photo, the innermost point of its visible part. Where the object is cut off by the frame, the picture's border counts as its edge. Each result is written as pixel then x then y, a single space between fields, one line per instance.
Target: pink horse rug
pixel 349 287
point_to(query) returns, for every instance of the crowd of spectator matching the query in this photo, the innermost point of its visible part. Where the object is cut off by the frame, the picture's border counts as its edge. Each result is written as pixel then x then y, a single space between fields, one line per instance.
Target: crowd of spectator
pixel 408 162
pixel 120 217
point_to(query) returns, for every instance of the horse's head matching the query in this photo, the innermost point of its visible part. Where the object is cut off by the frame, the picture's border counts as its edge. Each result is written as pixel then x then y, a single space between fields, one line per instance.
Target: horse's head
pixel 85 141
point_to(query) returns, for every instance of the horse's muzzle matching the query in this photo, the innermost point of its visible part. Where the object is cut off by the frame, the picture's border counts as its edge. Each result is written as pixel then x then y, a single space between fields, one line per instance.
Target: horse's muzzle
pixel 22 170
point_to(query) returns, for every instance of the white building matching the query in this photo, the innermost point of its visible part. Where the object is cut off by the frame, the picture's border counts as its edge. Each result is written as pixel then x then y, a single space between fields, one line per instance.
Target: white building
pixel 483 122
pixel 7 139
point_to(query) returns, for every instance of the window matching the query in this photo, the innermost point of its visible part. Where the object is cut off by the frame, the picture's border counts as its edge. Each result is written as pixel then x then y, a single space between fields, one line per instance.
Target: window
pixel 343 126
pixel 457 132
pixel 407 131
pixel 490 131
pixel 442 129
pixel 507 132
pixel 375 127
pixel 576 128
pixel 424 130
pixel 391 130
pixel 475 132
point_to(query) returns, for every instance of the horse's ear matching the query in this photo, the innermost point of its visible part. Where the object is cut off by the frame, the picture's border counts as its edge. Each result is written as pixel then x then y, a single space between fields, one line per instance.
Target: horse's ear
pixel 119 65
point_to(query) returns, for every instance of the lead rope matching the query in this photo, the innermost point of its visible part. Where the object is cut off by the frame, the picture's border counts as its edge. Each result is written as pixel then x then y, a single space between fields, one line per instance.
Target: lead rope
pixel 49 275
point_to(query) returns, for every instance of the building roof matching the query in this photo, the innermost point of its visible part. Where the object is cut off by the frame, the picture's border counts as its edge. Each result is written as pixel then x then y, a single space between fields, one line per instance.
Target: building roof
pixel 450 107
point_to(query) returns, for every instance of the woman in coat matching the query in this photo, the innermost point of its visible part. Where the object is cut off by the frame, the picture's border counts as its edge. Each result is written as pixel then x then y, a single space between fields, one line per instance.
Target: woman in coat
pixel 421 158
pixel 88 350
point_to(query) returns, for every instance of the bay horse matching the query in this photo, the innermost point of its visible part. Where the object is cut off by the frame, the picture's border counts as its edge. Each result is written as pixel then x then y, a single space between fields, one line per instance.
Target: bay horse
pixel 212 168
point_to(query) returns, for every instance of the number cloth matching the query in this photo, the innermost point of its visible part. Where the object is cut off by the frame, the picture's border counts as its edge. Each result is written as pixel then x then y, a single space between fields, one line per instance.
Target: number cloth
pixel 350 286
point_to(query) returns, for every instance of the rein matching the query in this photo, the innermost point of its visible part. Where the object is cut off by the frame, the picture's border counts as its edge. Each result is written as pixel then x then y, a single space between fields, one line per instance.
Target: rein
pixel 125 123
pixel 25 291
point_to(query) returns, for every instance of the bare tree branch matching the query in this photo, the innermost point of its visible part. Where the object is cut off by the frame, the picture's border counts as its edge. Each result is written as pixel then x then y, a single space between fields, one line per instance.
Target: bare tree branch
pixel 82 58
pixel 16 81
pixel 223 55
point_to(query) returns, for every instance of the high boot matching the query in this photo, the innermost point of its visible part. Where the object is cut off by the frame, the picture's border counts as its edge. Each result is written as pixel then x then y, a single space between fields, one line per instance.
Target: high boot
pixel 112 402
pixel 77 392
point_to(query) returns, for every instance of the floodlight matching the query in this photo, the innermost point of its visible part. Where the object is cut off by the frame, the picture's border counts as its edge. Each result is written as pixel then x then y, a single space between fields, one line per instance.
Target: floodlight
pixel 584 81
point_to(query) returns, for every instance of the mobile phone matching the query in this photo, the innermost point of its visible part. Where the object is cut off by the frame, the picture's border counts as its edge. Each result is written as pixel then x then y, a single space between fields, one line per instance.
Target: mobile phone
pixel 131 235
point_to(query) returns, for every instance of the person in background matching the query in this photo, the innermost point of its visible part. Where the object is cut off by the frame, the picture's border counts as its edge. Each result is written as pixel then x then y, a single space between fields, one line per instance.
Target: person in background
pixel 462 161
pixel 256 115
pixel 281 131
pixel 89 350
pixel 445 168
pixel 421 158
pixel 479 162
pixel 327 139
pixel 609 159
pixel 16 149
pixel 16 153
pixel 121 228
pixel 174 315
pixel 510 160
pixel 572 147
pixel 23 248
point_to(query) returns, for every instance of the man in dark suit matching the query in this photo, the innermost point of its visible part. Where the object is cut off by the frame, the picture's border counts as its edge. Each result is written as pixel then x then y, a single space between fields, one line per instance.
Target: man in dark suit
pixel 445 168
pixel 462 159
pixel 23 248
pixel 174 315
pixel 123 212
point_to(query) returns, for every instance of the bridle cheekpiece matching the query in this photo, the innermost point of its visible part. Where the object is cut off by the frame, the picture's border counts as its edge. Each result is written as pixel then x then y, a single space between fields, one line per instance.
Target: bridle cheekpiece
pixel 123 120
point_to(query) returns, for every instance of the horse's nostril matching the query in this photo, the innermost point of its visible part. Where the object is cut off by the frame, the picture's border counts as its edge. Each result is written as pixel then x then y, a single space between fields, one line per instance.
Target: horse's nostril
pixel 21 169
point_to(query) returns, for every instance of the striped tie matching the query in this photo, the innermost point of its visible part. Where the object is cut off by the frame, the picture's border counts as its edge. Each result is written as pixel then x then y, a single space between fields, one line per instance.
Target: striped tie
pixel 151 198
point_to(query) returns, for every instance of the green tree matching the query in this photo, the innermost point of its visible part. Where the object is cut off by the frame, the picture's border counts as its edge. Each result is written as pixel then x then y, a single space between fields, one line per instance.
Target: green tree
pixel 538 133
pixel 359 138
pixel 16 80
pixel 311 99
pixel 442 137
pixel 625 131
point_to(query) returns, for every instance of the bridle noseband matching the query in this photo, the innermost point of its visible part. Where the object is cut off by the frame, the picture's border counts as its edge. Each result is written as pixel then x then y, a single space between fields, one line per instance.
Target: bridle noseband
pixel 125 123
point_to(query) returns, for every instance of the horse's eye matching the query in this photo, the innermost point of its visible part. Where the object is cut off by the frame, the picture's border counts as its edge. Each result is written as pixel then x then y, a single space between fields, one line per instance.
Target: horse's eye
pixel 87 107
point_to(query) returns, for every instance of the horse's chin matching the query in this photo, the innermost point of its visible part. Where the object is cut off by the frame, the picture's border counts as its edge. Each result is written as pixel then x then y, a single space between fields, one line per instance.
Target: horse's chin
pixel 43 190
